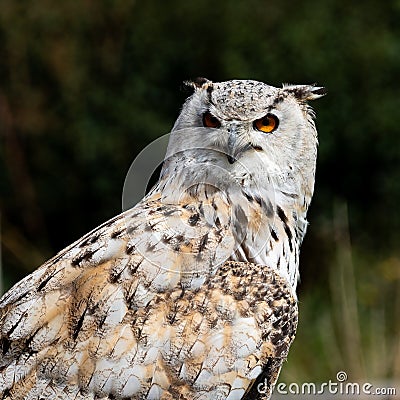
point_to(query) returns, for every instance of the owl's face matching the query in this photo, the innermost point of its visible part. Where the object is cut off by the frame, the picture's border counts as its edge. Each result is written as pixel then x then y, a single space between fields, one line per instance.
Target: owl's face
pixel 258 133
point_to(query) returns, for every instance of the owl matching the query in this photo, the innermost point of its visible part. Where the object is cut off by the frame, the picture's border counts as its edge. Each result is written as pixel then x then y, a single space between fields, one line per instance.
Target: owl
pixel 190 294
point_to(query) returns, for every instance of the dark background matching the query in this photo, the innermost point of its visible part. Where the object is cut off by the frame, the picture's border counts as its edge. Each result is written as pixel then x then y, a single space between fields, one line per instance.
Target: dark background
pixel 84 86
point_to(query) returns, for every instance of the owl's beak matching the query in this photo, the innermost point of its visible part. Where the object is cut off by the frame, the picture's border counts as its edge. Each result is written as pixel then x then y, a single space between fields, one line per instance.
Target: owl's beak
pixel 235 146
pixel 231 147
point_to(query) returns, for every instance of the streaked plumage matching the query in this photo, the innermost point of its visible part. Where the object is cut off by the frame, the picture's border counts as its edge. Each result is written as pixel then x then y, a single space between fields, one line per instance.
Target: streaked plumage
pixel 191 293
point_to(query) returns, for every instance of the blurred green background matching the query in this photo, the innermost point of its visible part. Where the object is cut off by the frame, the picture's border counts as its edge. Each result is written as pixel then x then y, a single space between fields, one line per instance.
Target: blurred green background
pixel 84 86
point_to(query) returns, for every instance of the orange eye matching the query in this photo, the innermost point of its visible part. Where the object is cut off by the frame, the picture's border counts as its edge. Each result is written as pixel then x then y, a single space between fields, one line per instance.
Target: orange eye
pixel 209 121
pixel 266 124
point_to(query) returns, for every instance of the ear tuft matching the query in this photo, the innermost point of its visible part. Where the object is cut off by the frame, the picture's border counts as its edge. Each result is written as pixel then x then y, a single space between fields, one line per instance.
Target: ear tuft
pixel 305 92
pixel 198 83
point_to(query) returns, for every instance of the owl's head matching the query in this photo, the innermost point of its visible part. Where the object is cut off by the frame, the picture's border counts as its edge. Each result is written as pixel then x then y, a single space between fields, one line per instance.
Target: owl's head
pixel 258 133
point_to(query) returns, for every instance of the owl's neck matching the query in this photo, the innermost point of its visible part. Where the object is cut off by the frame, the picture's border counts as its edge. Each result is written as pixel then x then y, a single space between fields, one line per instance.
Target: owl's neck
pixel 268 225
pixel 265 229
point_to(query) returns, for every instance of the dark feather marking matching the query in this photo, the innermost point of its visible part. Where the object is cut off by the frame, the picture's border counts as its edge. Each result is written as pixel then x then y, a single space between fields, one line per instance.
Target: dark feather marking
pixel 201 209
pixel 170 211
pixel 291 195
pixel 117 233
pixel 152 226
pixel 5 345
pixel 29 341
pixel 79 325
pixel 276 338
pixel 85 256
pixel 200 370
pixel 151 247
pixel 278 99
pixel 210 89
pixel 12 329
pixel 193 219
pixel 90 240
pixel 240 222
pixel 129 297
pixel 44 283
pixel 175 241
pixel 240 215
pixel 166 239
pixel 266 206
pixel 116 274
pixel 100 324
pixel 203 242
pixel 289 235
pixel 248 196
pixel 258 200
pixel 130 248
pixel 282 215
pixel 274 234
pixel 171 316
pixel 46 280
pixel 94 235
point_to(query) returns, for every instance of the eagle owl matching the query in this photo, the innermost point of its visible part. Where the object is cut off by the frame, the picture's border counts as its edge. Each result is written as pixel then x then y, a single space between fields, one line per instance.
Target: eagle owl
pixel 191 294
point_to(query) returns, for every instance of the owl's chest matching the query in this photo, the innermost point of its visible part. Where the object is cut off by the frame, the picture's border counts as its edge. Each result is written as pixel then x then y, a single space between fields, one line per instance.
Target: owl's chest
pixel 208 343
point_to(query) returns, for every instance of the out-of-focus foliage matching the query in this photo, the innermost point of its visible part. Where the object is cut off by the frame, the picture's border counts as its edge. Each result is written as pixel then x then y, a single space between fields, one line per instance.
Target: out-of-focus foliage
pixel 84 86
